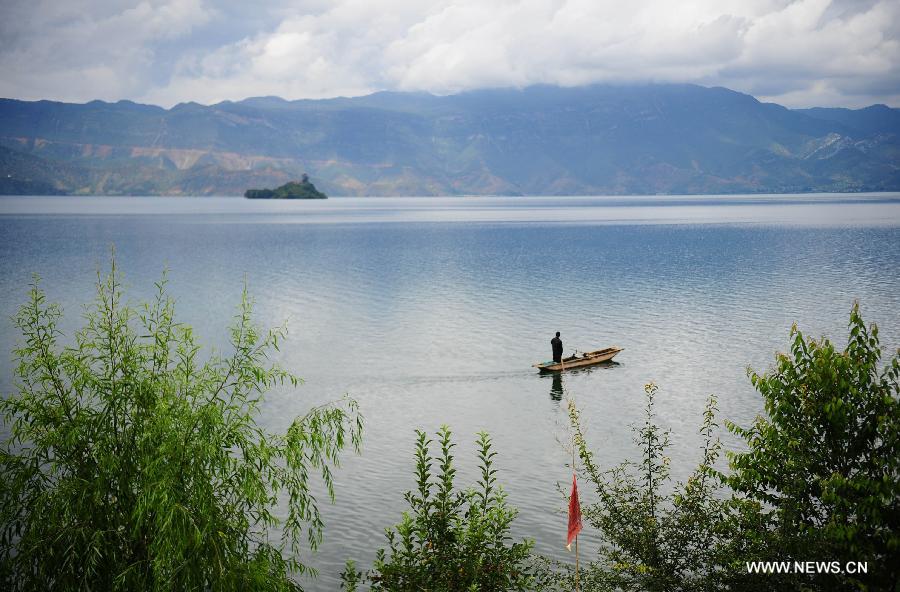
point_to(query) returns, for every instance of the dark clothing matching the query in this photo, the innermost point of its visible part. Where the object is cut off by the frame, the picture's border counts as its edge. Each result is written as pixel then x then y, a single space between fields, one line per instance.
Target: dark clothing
pixel 556 342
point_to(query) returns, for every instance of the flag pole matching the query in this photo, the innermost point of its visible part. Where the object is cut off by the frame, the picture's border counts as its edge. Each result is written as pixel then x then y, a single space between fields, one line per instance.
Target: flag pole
pixel 576 535
pixel 574 493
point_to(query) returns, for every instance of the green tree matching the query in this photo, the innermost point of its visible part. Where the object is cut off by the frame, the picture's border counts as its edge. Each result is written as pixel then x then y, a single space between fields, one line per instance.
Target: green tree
pixel 656 535
pixel 823 466
pixel 450 540
pixel 133 464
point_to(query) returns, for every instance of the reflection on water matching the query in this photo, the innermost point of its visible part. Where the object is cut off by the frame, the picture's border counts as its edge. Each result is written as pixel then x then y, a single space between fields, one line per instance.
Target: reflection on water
pixel 556 387
pixel 557 384
pixel 431 312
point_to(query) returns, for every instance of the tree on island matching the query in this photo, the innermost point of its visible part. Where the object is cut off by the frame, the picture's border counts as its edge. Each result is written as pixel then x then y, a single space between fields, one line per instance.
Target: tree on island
pixel 303 189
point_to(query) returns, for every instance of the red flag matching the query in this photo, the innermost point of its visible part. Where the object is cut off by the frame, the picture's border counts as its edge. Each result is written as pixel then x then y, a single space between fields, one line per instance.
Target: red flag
pixel 574 514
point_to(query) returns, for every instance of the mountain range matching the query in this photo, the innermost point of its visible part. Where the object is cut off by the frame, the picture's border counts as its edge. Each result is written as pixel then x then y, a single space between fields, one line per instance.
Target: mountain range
pixel 541 140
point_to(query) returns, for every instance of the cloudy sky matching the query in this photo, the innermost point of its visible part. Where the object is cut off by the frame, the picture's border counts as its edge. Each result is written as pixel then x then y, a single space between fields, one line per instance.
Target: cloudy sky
pixel 795 52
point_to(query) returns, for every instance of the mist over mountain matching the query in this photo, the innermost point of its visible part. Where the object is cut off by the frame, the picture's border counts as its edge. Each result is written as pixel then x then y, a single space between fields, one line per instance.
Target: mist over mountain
pixel 541 140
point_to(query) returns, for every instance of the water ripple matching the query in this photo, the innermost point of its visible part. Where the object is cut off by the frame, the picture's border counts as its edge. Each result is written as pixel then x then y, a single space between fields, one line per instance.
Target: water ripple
pixel 431 312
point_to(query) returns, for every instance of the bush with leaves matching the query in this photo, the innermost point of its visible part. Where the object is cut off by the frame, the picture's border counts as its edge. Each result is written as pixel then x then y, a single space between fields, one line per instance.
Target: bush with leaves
pixel 656 535
pixel 450 540
pixel 131 464
pixel 824 465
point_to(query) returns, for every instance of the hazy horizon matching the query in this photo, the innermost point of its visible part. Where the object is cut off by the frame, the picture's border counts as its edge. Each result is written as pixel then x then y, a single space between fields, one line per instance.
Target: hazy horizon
pixel 432 94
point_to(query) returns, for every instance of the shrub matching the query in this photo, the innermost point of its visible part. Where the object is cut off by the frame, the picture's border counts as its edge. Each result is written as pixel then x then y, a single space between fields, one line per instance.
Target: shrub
pixel 132 465
pixel 450 540
pixel 819 482
pixel 824 465
pixel 656 535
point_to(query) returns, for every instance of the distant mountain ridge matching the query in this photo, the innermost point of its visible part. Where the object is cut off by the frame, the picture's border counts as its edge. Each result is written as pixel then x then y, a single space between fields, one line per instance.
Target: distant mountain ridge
pixel 541 140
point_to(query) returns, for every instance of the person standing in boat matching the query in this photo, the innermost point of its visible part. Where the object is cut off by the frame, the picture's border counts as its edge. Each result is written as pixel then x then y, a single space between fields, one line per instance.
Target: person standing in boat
pixel 556 343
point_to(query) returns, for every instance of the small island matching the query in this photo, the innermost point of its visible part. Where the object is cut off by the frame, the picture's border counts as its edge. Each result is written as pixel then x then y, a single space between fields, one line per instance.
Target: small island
pixel 292 190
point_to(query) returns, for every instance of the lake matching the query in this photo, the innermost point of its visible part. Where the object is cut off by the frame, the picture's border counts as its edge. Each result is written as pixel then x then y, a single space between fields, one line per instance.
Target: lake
pixel 430 311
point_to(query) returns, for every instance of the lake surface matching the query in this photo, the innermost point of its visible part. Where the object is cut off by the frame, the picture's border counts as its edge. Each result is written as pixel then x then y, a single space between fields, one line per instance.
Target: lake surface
pixel 431 311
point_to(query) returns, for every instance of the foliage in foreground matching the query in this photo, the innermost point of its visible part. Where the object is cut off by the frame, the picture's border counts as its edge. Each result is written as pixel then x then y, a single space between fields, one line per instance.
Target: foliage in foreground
pixel 132 465
pixel 819 482
pixel 656 535
pixel 450 540
pixel 825 463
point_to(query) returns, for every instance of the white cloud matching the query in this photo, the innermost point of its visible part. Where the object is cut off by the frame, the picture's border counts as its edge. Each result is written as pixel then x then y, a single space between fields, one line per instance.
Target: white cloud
pixel 78 50
pixel 798 57
pixel 799 53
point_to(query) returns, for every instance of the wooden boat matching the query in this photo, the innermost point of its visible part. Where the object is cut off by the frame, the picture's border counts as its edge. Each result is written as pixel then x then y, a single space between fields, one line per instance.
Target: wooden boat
pixel 579 360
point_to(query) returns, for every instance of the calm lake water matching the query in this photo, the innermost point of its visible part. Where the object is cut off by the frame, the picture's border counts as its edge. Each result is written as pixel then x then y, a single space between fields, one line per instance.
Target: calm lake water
pixel 431 311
